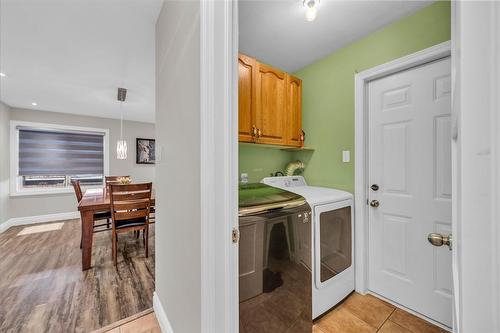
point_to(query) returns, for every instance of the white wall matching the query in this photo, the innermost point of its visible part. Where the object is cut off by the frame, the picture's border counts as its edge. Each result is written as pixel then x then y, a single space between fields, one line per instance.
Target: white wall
pixel 4 162
pixel 178 271
pixel 62 203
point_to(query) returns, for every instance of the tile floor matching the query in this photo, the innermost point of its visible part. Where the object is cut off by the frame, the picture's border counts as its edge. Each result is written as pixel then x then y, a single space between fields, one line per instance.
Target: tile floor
pixel 367 314
pixel 356 314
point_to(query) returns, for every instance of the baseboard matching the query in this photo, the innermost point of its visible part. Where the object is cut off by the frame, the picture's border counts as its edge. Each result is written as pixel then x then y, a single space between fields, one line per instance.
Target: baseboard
pixel 37 219
pixel 161 316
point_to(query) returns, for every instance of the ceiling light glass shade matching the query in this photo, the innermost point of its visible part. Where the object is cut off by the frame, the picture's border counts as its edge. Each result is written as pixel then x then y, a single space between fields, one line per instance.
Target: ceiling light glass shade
pixel 121 149
pixel 311 9
pixel 311 14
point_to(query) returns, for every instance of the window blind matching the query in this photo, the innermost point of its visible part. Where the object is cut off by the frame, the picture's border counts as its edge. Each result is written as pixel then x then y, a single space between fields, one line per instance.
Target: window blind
pixel 50 152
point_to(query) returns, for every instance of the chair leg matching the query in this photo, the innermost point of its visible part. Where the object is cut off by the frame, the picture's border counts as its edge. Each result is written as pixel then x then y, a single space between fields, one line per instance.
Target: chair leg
pixel 146 243
pixel 114 241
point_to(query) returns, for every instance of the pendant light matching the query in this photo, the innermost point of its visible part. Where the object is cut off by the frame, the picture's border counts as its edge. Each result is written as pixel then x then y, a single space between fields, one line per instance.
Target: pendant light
pixel 311 9
pixel 121 145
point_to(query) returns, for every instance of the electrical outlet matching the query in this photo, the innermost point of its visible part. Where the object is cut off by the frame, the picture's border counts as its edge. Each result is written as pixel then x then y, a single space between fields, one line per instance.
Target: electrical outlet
pixel 244 178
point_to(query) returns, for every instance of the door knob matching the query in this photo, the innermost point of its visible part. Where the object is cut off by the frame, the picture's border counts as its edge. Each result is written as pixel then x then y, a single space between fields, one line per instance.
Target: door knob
pixel 374 203
pixel 440 240
pixel 374 187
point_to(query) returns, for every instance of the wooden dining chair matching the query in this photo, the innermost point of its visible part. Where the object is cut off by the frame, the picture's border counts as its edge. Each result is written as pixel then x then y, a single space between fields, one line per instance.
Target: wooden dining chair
pixel 108 180
pixel 105 215
pixel 130 209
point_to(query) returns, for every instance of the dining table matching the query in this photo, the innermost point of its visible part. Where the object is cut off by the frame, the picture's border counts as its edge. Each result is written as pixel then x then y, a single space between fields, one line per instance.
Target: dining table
pixel 94 200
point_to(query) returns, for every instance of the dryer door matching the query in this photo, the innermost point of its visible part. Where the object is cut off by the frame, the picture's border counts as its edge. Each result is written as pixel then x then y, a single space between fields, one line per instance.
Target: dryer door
pixel 333 240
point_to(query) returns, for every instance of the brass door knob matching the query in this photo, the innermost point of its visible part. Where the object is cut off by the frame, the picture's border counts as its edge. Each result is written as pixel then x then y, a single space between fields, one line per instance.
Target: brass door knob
pixel 374 203
pixel 439 240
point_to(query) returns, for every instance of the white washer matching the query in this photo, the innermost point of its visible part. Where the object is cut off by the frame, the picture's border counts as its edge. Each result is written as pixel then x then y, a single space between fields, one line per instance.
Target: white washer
pixel 333 239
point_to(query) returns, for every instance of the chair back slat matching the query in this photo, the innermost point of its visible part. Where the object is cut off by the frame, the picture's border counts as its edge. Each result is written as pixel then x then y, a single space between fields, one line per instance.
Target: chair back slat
pixel 130 205
pixel 130 214
pixel 135 195
pixel 78 189
pixel 130 201
pixel 108 180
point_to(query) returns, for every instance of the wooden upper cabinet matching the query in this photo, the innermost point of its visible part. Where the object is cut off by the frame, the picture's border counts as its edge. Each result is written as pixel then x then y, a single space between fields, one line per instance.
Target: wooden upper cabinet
pixel 247 68
pixel 271 105
pixel 294 111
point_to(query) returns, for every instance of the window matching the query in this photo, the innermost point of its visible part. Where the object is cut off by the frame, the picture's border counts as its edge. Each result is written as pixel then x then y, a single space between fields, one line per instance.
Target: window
pixel 45 158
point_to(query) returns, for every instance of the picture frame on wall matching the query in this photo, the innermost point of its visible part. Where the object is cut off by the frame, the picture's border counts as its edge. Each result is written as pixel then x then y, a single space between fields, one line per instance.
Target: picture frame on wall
pixel 145 151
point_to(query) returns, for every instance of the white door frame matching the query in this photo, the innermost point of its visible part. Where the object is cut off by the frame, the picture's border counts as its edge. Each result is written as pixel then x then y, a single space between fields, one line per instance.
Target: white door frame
pixel 361 147
pixel 476 146
pixel 219 165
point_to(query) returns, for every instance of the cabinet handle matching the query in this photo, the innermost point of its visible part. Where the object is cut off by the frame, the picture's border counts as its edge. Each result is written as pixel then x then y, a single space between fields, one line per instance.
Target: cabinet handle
pixel 254 131
pixel 259 132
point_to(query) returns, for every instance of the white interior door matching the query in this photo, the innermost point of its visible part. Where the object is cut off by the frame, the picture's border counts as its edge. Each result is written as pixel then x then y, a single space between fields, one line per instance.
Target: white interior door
pixel 410 161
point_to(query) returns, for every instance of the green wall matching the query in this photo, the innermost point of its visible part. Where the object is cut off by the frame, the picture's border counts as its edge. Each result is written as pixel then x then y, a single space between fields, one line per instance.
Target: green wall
pixel 328 96
pixel 259 161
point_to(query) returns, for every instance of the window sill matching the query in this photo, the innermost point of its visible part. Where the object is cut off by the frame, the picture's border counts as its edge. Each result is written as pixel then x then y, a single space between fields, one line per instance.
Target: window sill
pixel 48 192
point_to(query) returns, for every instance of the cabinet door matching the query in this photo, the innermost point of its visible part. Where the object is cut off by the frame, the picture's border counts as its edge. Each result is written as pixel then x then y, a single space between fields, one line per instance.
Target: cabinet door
pixel 294 111
pixel 271 105
pixel 246 98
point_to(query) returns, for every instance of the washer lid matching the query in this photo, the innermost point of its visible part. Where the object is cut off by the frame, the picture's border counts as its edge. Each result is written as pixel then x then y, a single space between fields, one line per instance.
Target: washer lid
pixel 260 198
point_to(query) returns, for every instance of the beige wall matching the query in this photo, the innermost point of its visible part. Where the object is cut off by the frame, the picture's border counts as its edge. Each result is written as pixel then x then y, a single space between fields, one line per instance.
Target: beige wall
pixel 4 162
pixel 178 260
pixel 63 203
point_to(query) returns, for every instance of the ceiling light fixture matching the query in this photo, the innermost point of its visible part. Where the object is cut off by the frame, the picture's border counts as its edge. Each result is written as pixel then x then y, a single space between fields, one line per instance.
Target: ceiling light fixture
pixel 121 145
pixel 34 104
pixel 311 9
pixel 3 75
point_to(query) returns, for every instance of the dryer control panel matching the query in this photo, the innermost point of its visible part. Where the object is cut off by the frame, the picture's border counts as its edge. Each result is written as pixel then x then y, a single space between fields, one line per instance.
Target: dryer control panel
pixel 285 181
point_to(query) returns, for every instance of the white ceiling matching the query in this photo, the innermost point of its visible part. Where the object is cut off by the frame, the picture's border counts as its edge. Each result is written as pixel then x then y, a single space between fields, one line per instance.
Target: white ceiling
pixel 71 55
pixel 276 32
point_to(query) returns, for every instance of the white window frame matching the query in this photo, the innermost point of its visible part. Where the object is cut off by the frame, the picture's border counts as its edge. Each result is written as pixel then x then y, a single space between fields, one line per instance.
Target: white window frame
pixel 15 188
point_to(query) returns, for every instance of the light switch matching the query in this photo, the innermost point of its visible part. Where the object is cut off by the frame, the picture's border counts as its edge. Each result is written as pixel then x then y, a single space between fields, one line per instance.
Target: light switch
pixel 346 156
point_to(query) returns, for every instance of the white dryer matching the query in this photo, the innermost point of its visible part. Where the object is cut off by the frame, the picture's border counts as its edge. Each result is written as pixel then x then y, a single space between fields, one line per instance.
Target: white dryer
pixel 332 236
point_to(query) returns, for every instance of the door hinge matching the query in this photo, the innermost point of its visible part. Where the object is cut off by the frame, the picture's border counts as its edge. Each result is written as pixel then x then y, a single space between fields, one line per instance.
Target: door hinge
pixel 235 235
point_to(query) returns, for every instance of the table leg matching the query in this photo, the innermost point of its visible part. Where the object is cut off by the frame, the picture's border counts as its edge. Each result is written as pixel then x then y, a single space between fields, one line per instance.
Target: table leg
pixel 87 237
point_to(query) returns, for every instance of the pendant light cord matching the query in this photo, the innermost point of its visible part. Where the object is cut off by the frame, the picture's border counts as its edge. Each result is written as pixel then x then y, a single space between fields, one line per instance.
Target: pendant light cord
pixel 121 121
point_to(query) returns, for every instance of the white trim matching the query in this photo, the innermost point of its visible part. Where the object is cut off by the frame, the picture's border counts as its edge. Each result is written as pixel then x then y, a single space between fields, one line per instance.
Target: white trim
pixel 476 148
pixel 15 221
pixel 219 163
pixel 361 148
pixel 14 155
pixel 161 315
pixel 41 191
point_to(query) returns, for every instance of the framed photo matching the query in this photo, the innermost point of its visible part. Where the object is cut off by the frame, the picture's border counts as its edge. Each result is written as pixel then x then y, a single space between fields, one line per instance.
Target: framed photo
pixel 145 151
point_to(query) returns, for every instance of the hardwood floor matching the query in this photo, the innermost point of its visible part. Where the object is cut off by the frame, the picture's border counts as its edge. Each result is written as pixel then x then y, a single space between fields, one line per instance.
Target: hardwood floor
pixel 43 289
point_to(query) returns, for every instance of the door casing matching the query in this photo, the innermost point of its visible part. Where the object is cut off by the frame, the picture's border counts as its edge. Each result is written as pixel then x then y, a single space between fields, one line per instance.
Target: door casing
pixel 362 79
